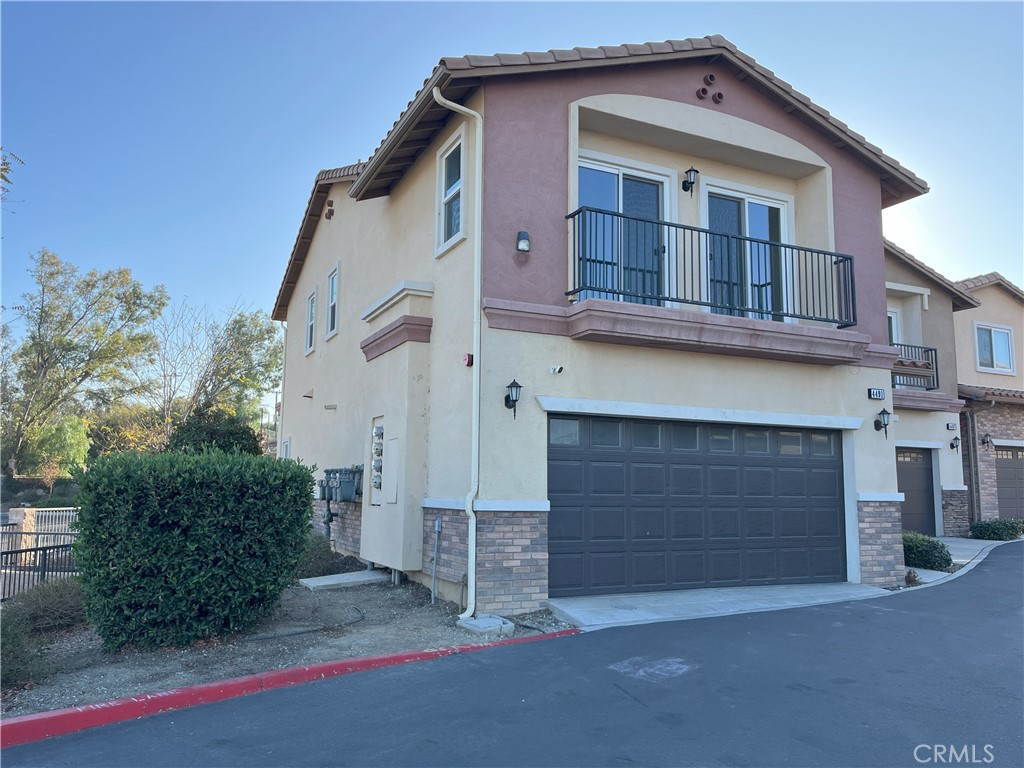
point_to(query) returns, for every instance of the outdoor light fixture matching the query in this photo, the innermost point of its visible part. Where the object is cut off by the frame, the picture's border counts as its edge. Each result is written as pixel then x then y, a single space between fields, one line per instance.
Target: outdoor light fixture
pixel 512 398
pixel 691 180
pixel 523 241
pixel 882 422
pixel 986 441
pixel 955 444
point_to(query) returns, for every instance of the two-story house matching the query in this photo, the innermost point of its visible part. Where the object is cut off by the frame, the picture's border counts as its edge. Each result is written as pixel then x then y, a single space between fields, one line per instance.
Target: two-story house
pixel 990 345
pixel 920 308
pixel 603 320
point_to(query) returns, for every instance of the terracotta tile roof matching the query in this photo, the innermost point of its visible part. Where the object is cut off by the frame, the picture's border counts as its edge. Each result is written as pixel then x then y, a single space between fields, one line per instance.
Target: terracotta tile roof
pixel 989 393
pixel 991 278
pixel 961 299
pixel 457 76
pixel 345 173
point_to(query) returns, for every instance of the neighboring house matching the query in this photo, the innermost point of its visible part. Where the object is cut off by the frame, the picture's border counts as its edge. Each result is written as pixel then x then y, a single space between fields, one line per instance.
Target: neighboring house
pixel 990 363
pixel 679 258
pixel 921 307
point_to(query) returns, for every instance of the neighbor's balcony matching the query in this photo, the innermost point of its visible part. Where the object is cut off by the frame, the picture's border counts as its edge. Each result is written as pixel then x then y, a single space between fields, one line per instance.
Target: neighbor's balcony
pixel 659 263
pixel 916 367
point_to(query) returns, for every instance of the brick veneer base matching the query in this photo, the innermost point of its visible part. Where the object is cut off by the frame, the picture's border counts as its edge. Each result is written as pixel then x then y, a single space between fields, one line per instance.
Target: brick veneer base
pixel 954 513
pixel 346 526
pixel 1002 421
pixel 881 543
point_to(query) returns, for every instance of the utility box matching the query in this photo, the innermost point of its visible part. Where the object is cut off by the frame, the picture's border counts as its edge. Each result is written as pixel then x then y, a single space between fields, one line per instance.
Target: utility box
pixel 342 484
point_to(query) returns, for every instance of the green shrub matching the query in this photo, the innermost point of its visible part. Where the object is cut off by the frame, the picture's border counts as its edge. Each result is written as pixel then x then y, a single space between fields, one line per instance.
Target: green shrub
pixel 317 558
pixel 176 547
pixel 920 551
pixel 22 660
pixel 215 429
pixel 53 605
pixel 1000 529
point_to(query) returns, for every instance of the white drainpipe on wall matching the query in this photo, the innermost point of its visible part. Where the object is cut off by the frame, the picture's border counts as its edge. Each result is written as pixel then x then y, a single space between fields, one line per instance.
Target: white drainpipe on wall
pixel 474 467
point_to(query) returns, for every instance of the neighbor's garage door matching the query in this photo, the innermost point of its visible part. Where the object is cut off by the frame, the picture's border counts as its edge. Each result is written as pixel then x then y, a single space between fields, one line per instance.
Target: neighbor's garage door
pixel 914 481
pixel 640 506
pixel 1010 481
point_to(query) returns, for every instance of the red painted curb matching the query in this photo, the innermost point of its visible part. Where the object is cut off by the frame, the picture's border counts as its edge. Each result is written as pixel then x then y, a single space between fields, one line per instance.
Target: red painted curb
pixel 42 725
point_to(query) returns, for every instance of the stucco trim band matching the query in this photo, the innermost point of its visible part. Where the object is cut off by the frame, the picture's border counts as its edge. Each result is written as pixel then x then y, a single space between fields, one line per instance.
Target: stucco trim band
pixel 491 505
pixel 406 328
pixel 673 328
pixel 998 441
pixel 867 496
pixel 694 413
pixel 395 295
pixel 918 400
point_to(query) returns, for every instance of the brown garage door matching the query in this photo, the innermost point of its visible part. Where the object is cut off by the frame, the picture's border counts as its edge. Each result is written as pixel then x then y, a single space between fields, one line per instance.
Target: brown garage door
pixel 914 481
pixel 639 506
pixel 1010 481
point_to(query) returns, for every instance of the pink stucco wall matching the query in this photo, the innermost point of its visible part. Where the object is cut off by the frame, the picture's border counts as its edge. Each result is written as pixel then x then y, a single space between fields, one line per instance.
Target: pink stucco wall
pixel 526 170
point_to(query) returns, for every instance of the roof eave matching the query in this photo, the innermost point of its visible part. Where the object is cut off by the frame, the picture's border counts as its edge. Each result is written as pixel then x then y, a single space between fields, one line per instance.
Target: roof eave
pixel 310 219
pixel 961 299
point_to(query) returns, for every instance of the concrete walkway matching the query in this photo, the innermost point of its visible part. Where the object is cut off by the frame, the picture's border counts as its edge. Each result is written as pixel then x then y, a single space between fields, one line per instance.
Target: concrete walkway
pixel 603 611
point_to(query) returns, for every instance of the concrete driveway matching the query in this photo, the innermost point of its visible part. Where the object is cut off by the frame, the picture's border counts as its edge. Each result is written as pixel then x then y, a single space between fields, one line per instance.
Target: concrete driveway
pixel 887 682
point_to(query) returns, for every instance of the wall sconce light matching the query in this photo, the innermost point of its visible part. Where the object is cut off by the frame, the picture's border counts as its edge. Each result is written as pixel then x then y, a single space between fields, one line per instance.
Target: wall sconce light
pixel 523 241
pixel 955 444
pixel 691 180
pixel 986 441
pixel 515 389
pixel 882 422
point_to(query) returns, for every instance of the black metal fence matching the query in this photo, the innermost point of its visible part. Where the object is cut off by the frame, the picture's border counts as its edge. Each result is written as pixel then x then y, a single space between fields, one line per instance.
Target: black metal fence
pixel 21 569
pixel 645 261
pixel 917 367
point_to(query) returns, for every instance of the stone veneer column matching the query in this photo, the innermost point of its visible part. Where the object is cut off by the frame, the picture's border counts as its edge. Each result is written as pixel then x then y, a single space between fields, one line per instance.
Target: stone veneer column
pixel 512 562
pixel 452 557
pixel 955 513
pixel 881 543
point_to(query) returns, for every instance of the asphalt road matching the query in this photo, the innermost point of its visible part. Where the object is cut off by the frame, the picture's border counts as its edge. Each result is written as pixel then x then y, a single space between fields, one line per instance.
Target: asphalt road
pixel 895 681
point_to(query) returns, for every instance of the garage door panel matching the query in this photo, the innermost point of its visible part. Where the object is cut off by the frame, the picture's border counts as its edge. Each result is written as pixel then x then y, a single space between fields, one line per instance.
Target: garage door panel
pixel 649 524
pixel 723 523
pixel 1010 481
pixel 723 481
pixel 566 524
pixel 643 505
pixel 759 522
pixel 686 480
pixel 565 477
pixel 607 478
pixel 608 524
pixel 687 523
pixel 648 479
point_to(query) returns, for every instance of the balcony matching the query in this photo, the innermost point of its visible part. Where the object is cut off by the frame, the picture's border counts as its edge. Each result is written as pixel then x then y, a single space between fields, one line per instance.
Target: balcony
pixel 916 367
pixel 661 264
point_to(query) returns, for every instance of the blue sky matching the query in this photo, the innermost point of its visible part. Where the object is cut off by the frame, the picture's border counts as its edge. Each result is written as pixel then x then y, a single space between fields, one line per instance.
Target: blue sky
pixel 181 139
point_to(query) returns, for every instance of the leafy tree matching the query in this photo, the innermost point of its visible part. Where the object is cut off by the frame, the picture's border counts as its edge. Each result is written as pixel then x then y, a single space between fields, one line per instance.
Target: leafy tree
pixel 82 332
pixel 7 161
pixel 203 364
pixel 126 427
pixel 215 429
pixel 57 449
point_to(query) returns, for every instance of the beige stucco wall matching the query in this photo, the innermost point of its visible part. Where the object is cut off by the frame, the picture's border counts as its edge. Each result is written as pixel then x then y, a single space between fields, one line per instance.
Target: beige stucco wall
pixel 998 307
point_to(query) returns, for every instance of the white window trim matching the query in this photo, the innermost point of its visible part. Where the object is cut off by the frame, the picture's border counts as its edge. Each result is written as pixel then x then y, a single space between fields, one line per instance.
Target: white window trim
pixel 1012 371
pixel 443 246
pixel 897 325
pixel 336 274
pixel 309 337
pixel 725 188
pixel 286 448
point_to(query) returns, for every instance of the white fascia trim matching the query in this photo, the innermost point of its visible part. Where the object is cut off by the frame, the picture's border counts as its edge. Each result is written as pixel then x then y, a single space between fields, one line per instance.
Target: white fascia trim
pixel 1008 443
pixel 955 488
pixel 395 295
pixel 490 505
pixel 694 413
pixel 880 497
pixel 924 293
pixel 918 444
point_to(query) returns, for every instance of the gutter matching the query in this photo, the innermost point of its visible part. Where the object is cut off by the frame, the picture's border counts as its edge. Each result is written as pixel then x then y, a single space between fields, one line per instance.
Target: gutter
pixel 478 220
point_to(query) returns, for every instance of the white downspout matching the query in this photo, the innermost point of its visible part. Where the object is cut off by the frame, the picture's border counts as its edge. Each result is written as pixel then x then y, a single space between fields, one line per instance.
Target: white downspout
pixel 474 450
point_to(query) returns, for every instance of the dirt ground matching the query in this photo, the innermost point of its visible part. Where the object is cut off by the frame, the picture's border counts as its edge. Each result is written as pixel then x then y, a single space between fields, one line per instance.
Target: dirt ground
pixel 307 628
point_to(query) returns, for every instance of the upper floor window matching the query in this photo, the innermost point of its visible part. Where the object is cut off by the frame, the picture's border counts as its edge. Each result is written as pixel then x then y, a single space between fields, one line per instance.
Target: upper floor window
pixel 449 199
pixel 310 322
pixel 994 346
pixel 332 303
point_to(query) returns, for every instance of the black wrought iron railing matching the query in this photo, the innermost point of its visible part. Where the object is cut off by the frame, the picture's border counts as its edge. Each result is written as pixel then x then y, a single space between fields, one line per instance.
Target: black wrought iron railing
pixel 645 261
pixel 21 569
pixel 916 367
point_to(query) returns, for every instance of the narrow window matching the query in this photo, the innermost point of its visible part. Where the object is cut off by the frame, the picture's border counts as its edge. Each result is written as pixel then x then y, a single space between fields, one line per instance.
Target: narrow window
pixel 995 349
pixel 450 197
pixel 332 302
pixel 310 322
